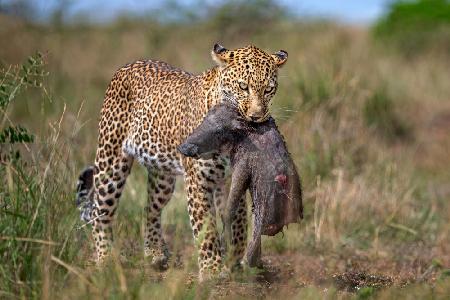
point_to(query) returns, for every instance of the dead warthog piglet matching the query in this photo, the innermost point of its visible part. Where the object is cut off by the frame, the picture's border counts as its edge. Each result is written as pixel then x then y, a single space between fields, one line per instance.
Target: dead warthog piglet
pixel 260 162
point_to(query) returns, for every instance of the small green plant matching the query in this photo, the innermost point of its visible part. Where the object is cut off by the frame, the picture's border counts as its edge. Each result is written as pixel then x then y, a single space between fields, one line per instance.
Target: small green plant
pixel 445 273
pixel 13 81
pixel 366 292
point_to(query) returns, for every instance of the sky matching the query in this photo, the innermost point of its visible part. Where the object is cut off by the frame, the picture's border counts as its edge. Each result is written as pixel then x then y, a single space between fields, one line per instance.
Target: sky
pixel 348 11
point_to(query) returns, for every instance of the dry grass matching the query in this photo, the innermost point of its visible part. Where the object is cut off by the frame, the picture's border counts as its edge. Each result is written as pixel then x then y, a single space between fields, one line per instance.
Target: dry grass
pixel 367 127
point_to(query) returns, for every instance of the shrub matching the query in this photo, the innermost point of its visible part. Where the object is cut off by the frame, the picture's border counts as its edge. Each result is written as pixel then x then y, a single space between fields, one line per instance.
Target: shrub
pixel 246 17
pixel 14 80
pixel 415 26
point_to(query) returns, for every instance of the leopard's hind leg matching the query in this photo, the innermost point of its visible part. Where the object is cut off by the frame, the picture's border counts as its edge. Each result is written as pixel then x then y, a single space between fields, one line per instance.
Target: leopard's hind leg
pixel 160 189
pixel 112 163
pixel 109 181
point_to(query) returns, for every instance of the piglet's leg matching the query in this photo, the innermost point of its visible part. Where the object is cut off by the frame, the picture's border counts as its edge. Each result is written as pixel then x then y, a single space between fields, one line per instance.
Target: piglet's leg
pixel 235 217
pixel 253 255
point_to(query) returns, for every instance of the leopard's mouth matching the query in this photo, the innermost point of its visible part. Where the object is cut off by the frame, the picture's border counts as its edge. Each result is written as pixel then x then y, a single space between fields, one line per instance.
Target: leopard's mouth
pixel 254 119
pixel 257 119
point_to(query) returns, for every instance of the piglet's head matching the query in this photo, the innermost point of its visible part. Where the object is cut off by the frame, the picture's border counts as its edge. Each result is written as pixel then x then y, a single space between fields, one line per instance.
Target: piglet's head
pixel 290 192
pixel 222 127
pixel 285 205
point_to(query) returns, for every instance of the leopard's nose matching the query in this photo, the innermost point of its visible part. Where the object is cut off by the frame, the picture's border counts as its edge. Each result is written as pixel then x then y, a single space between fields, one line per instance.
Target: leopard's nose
pixel 254 118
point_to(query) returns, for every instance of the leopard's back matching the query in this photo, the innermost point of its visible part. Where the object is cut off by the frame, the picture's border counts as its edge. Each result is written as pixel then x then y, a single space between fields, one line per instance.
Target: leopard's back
pixel 144 111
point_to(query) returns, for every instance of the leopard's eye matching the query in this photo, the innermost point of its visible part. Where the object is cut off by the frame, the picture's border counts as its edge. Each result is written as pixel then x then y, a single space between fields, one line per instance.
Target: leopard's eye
pixel 243 86
pixel 268 89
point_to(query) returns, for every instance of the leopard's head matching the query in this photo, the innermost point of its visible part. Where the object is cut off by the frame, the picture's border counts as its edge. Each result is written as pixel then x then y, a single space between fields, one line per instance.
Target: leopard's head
pixel 248 78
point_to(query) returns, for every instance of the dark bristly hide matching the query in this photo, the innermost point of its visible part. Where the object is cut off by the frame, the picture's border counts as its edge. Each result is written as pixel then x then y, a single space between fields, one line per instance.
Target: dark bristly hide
pixel 261 164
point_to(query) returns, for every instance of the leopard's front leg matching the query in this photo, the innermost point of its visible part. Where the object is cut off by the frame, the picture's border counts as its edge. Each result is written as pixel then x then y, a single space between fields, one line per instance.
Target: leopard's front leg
pixel 200 192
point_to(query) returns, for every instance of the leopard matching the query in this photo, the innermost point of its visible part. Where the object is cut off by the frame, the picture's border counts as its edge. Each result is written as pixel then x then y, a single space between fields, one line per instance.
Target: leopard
pixel 149 108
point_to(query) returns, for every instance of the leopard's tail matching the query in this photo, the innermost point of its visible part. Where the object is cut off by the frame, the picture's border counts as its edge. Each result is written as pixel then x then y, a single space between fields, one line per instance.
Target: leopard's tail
pixel 85 194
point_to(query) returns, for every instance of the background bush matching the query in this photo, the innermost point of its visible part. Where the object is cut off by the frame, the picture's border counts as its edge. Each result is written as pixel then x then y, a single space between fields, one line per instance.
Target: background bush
pixel 414 26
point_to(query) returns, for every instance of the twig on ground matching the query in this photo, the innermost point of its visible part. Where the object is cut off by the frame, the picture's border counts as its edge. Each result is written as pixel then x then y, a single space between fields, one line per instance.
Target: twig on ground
pixel 23 239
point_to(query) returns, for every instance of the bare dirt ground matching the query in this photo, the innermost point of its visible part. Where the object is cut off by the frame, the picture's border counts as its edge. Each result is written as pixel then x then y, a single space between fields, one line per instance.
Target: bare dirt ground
pixel 288 274
pixel 285 275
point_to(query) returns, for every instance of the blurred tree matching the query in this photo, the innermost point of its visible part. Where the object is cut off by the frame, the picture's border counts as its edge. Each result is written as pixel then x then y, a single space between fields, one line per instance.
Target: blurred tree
pixel 24 9
pixel 59 15
pixel 28 10
pixel 416 25
pixel 246 17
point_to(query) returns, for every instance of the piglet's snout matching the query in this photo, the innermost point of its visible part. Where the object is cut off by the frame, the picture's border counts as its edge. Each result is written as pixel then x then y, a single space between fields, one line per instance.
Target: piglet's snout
pixel 187 149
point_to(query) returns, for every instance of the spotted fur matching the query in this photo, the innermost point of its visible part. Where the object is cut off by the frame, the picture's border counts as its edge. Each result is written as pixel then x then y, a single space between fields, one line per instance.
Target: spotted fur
pixel 85 193
pixel 148 109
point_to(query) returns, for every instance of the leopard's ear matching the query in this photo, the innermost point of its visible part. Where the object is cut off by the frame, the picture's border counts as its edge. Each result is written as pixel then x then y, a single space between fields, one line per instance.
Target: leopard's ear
pixel 221 55
pixel 280 57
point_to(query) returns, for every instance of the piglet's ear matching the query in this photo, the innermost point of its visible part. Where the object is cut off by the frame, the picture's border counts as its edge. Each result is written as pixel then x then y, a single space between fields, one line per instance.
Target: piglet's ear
pixel 280 57
pixel 221 55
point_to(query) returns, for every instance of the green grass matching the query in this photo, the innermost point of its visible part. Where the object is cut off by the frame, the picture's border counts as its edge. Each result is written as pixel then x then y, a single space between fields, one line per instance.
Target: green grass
pixel 380 115
pixel 375 201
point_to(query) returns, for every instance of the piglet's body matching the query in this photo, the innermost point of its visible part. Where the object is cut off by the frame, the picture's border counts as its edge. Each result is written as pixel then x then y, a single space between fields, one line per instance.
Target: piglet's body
pixel 261 164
